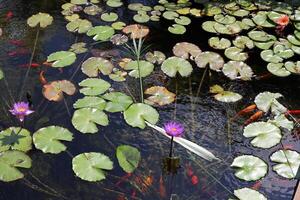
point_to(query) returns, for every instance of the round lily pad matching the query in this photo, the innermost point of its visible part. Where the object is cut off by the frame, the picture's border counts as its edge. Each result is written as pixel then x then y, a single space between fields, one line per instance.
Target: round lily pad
pixel 237 70
pixel 229 29
pixel 109 17
pixel 269 56
pixel 155 57
pixel 217 43
pixel 186 50
pixel 128 157
pixel 49 139
pixel 160 95
pixel 236 54
pixel 145 68
pixel 41 19
pixel 91 166
pixel 86 120
pixel 266 135
pixel 261 36
pixel 177 29
pixel 72 17
pixel 141 18
pixel 224 19
pixel 224 96
pixel 261 19
pixel 78 48
pixel 61 58
pixel 114 3
pixel 247 194
pixel 118 25
pixel 268 100
pixel 138 113
pixel 90 102
pixel 293 67
pixel 54 91
pixel 79 25
pixel 249 168
pixel 15 138
pixel 94 86
pixel 283 51
pixel 92 10
pixel 118 75
pixel 170 15
pixel 174 64
pixel 242 42
pixel 117 101
pixel 214 60
pixel 183 20
pixel 102 33
pixel 282 121
pixel 288 163
pixel 294 40
pixel 94 65
pixel 136 31
pixel 278 69
pixel 208 26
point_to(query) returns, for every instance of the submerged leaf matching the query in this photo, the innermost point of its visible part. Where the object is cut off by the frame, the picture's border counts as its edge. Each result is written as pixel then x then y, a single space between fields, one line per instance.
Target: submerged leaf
pixel 15 138
pixel 160 95
pixel 128 157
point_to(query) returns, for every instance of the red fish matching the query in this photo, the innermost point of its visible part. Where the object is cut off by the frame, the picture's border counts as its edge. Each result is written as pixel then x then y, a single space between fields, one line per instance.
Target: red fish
pixel 21 51
pixel 162 188
pixel 194 180
pixel 32 65
pixel 245 110
pixel 17 42
pixel 47 64
pixel 42 78
pixel 254 117
pixel 189 170
pixel 9 15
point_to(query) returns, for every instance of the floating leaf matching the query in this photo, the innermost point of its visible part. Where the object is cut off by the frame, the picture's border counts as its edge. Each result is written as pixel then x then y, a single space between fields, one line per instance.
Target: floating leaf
pixel 145 68
pixel 269 56
pixel 235 54
pixel 15 138
pixel 282 121
pixel 224 96
pixel 237 70
pixel 261 19
pixel 249 168
pixel 9 162
pixel 141 18
pixel 41 19
pixel 214 60
pixel 224 19
pixel 91 166
pixel 208 26
pixel 62 58
pixel 268 100
pixel 228 29
pixel 128 157
pixel 138 113
pixel 102 33
pixel 1 74
pixel 160 95
pixel 183 20
pixel 86 120
pixel 79 2
pixel 79 25
pixel 118 25
pixel 247 194
pixel 109 17
pixel 94 65
pixel 90 102
pixel 170 15
pixel 266 134
pixel 177 29
pixel 114 3
pixel 92 10
pixel 242 42
pixel 119 39
pixel 49 139
pixel 261 36
pixel 118 75
pixel 289 162
pixel 186 50
pixel 278 69
pixel 293 67
pixel 118 101
pixel 217 43
pixel 54 91
pixel 78 48
pixel 155 57
pixel 72 17
pixel 93 86
pixel 174 64
pixel 136 31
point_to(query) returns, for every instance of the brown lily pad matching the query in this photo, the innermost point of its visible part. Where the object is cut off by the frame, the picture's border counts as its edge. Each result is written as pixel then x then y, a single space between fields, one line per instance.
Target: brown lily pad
pixel 186 50
pixel 136 31
pixel 160 95
pixel 54 91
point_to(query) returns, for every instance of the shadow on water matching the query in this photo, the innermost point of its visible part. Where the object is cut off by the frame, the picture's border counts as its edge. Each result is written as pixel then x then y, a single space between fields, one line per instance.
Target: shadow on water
pixel 206 122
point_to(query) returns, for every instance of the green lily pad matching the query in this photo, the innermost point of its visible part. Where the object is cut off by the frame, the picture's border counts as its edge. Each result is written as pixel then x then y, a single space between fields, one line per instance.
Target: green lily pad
pixel 214 60
pixel 264 45
pixel 145 68
pixel 94 86
pixel 268 100
pixel 72 17
pixel 128 157
pixel 92 10
pixel 247 194
pixel 261 36
pixel 236 54
pixel 174 64
pixel 90 102
pixel 208 26
pixel 249 168
pixel 248 22
pixel 141 18
pixel 86 120
pixel 269 56
pixel 135 6
pixel 224 96
pixel 294 40
pixel 9 162
pixel 217 43
pixel 114 3
pixel 261 19
pixel 293 67
pixel 118 101
pixel 91 166
pixel 282 121
pixel 118 75
pixel 49 139
pixel 79 2
pixel 242 42
pixel 79 25
pixel 278 69
pixel 229 29
pixel 138 113
pixel 170 15
pixel 288 163
pixel 118 25
pixel 186 50
pixel 283 51
pixel 296 49
pixel 183 20
pixel 266 135
pixel 102 33
pixel 109 17
pixel 154 18
pixel 237 70
pixel 1 74
pixel 239 13
pixel 274 16
pixel 15 138
pixel 92 66
pixel 78 48
pixel 177 29
pixel 155 57
pixel 211 9
pixel 62 58
pixel 224 19
pixel 41 19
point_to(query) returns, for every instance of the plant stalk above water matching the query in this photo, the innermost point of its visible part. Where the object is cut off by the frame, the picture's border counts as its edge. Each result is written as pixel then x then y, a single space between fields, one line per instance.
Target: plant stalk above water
pixel 137 52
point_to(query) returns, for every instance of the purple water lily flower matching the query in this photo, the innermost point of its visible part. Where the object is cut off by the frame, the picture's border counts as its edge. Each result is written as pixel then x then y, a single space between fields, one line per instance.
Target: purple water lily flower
pixel 174 129
pixel 20 110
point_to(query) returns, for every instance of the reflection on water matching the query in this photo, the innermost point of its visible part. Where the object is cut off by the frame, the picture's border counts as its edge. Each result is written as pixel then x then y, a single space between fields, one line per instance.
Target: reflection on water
pixel 206 122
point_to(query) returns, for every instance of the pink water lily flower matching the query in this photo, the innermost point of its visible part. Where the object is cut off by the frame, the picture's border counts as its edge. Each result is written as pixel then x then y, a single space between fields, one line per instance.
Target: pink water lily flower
pixel 283 20
pixel 20 110
pixel 174 129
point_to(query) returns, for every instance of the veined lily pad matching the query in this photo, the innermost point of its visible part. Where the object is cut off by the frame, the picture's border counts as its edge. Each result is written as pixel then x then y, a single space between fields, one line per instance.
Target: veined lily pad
pixel 208 26
pixel 91 166
pixel 118 101
pixel 186 50
pixel 269 56
pixel 224 96
pixel 211 9
pixel 155 57
pixel 247 194
pixel 90 102
pixel 86 120
pixel 174 64
pixel 289 162
pixel 261 19
pixel 214 60
pixel 61 58
pixel 229 29
pixel 128 157
pixel 283 51
pixel 268 100
pixel 53 91
pixel 170 15
pixel 49 139
pixel 102 33
pixel 239 13
pixel 248 22
pixel 249 168
pixel 160 95
pixel 138 113
pixel 109 17
pixel 242 42
pixel 78 48
pixel 293 67
pixel 282 121
pixel 237 70
pixel 136 31
pixel 224 19
pixel 9 162
pixel 266 134
pixel 292 39
pixel 278 69
pixel 79 25
pixel 145 68
pixel 183 20
pixel 15 138
pixel 217 43
pixel 94 65
pixel 264 45
pixel 41 19
pixel 177 29
pixel 274 16
pixel 235 54
pixel 261 36
pixel 94 86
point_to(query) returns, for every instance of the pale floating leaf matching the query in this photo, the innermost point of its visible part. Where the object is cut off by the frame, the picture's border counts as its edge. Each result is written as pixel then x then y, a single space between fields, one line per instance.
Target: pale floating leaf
pixel 160 95
pixel 41 19
pixel 61 58
pixel 214 60
pixel 186 50
pixel 174 64
pixel 237 70
pixel 94 65
pixel 94 86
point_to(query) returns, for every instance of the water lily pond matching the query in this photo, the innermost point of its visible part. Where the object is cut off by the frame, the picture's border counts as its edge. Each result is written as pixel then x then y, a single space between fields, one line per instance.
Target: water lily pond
pixel 149 100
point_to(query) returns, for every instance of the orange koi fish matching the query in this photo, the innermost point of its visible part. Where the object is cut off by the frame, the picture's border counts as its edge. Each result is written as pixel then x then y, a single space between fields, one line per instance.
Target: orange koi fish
pixel 42 78
pixel 254 117
pixel 32 65
pixel 162 188
pixel 194 180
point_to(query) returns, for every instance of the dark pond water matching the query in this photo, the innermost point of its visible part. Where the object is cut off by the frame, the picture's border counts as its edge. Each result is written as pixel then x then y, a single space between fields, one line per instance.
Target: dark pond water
pixel 206 121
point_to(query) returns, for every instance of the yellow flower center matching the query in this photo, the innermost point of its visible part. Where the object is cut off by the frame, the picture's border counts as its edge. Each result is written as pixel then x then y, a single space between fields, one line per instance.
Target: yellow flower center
pixel 21 109
pixel 174 129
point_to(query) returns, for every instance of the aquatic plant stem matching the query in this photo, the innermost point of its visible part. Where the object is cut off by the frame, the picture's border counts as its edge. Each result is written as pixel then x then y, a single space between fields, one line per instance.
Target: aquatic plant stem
pixel 192 105
pixel 201 82
pixel 171 147
pixel 175 103
pixel 30 62
pixel 137 50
